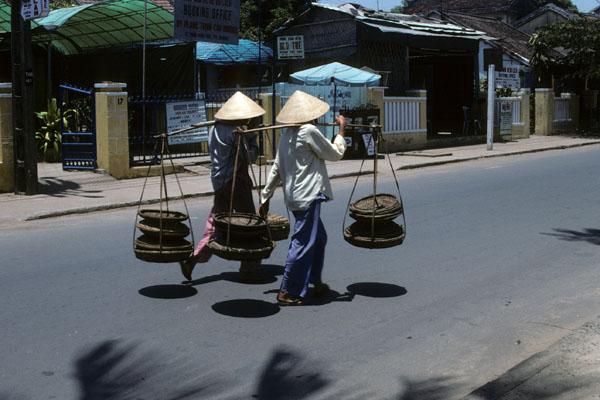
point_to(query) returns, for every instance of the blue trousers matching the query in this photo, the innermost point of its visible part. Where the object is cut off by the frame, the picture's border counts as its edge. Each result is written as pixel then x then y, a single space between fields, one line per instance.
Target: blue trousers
pixel 306 254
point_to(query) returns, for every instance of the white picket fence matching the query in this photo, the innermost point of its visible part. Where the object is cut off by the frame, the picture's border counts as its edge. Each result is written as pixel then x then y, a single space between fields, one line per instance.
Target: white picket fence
pixel 562 112
pixel 402 114
pixel 516 109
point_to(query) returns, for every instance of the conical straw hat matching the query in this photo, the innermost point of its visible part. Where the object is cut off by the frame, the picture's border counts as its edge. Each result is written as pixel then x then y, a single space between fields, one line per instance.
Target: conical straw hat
pixel 301 107
pixel 239 106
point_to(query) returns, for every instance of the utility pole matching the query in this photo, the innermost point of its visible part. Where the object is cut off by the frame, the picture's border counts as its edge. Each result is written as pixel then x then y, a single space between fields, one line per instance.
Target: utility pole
pixel 491 104
pixel 25 152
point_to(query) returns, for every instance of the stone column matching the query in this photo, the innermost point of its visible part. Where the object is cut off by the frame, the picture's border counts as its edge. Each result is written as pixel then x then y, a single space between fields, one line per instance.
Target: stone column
pixel 267 104
pixel 375 97
pixel 7 168
pixel 525 114
pixel 112 130
pixel 544 111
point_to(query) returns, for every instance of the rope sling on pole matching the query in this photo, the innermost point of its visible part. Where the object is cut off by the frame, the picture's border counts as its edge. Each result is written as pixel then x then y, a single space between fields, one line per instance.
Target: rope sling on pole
pixel 374 215
pixel 163 229
pixel 247 235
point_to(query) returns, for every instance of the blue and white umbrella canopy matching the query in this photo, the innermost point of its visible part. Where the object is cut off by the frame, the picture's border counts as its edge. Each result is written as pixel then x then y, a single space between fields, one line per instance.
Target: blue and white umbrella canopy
pixel 337 73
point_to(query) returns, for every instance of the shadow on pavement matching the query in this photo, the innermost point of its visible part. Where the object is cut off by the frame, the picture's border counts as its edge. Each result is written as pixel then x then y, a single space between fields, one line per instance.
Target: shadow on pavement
pixel 246 308
pixel 311 300
pixel 331 297
pixel 427 389
pixel 57 187
pixel 289 375
pixel 377 290
pixel 587 235
pixel 268 274
pixel 113 370
pixel 168 292
pixel 542 387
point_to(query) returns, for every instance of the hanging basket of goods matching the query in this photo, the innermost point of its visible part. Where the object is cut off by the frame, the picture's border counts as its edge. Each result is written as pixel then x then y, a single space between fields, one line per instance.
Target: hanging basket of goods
pixel 163 230
pixel 241 249
pixel 381 207
pixel 240 224
pixel 240 236
pixel 279 227
pixel 374 236
pixel 375 214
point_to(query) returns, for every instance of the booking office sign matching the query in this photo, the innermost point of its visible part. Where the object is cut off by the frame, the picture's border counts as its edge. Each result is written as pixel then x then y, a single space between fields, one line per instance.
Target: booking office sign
pixel 215 21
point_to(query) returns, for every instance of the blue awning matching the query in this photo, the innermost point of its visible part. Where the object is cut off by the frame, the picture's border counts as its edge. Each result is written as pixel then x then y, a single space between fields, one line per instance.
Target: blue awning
pixel 335 72
pixel 245 52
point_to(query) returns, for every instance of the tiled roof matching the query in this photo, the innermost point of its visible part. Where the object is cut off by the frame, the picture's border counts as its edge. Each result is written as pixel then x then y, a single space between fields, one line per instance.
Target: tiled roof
pixel 471 6
pixel 400 23
pixel 166 4
pixel 509 38
pixel 550 7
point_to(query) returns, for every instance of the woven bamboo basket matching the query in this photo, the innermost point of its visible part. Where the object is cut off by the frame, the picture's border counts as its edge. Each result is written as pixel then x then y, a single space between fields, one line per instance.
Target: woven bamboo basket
pixel 279 227
pixel 172 230
pixel 386 234
pixel 145 242
pixel 166 216
pixel 164 256
pixel 242 250
pixel 240 225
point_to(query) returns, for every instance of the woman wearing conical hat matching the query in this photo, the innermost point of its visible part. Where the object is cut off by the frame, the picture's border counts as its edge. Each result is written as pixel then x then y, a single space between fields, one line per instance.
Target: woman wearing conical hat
pixel 236 112
pixel 300 167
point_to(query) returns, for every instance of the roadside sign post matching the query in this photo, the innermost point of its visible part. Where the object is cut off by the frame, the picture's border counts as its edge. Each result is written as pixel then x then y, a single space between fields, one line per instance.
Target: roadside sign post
pixel 490 106
pixel 182 114
pixel 508 80
pixel 25 151
pixel 290 47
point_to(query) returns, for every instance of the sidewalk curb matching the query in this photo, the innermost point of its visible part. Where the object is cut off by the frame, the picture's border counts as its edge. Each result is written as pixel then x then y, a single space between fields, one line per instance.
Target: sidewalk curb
pixel 86 210
pixel 435 163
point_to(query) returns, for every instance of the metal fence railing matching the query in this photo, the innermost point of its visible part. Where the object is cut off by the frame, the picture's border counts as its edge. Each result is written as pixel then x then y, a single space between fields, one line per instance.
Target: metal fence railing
pixel 561 109
pixel 145 124
pixel 402 114
pixel 516 110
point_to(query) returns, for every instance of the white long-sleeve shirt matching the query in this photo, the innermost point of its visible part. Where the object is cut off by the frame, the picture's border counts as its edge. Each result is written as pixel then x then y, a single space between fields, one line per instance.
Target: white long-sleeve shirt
pixel 300 166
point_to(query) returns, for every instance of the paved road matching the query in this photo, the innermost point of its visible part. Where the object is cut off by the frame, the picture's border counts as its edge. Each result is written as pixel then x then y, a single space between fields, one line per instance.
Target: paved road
pixel 500 261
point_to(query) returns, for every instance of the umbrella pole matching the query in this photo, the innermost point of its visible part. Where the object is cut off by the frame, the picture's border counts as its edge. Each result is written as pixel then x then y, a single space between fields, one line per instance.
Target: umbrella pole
pixel 334 105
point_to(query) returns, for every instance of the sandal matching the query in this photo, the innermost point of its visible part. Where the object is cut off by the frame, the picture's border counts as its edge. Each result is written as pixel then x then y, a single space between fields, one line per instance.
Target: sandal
pixel 187 267
pixel 284 299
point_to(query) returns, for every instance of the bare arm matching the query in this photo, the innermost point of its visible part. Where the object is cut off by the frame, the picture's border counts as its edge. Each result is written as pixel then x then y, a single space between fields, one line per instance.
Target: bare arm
pixel 272 181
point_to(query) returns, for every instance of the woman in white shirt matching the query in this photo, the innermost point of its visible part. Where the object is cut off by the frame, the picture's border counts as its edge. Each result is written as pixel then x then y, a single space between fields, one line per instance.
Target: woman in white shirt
pixel 300 166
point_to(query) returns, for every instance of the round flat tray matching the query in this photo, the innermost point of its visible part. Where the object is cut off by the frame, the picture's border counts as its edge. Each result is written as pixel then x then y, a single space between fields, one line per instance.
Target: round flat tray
pixel 241 224
pixel 157 256
pixel 173 216
pixel 152 243
pixel 383 204
pixel 383 229
pixel 235 251
pixel 378 217
pixel 386 234
pixel 279 226
pixel 171 231
pixel 378 243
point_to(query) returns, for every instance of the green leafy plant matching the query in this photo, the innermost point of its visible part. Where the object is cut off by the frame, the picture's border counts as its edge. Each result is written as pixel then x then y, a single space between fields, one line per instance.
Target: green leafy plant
pixel 570 49
pixel 48 136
